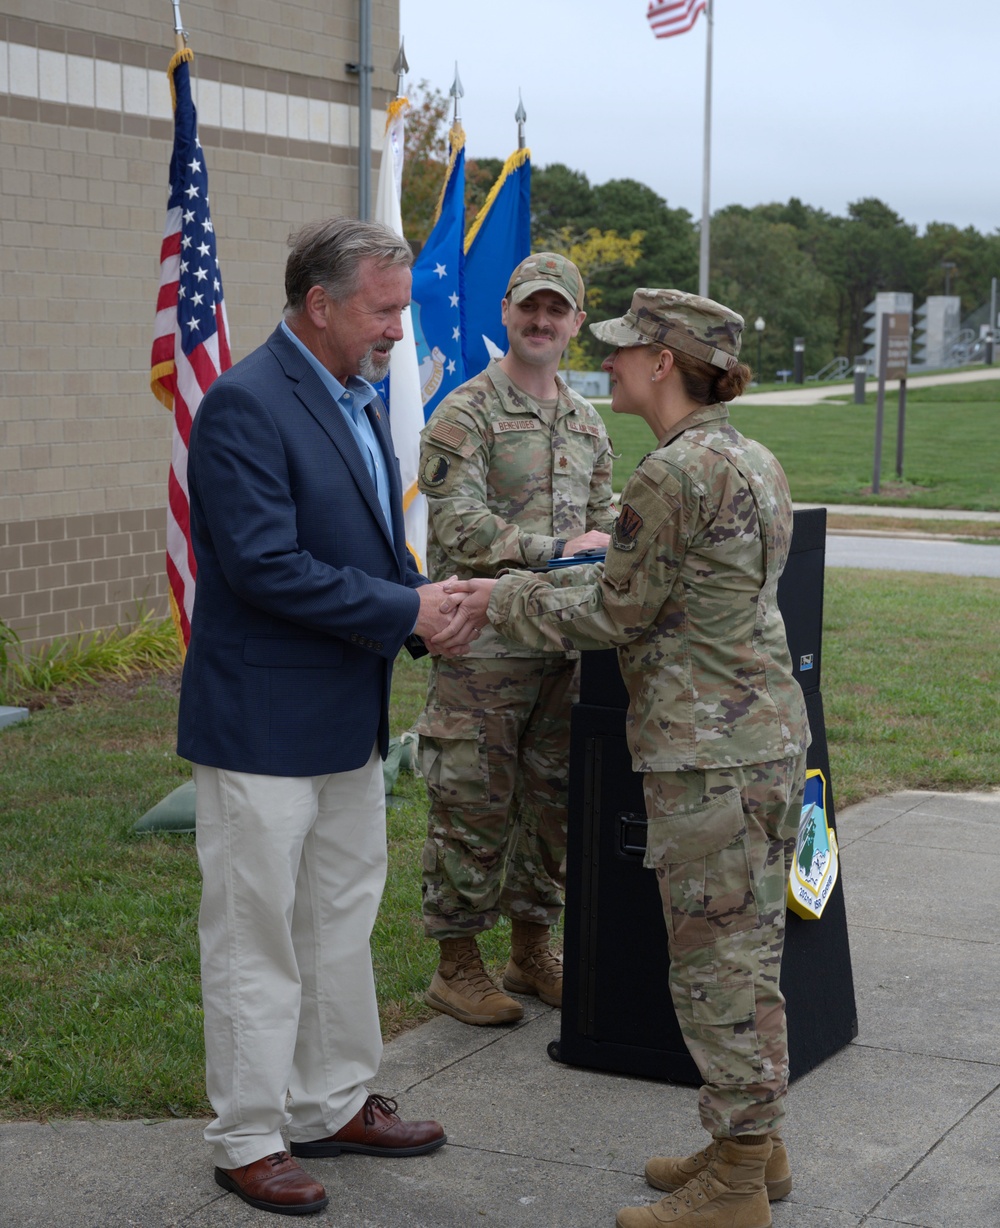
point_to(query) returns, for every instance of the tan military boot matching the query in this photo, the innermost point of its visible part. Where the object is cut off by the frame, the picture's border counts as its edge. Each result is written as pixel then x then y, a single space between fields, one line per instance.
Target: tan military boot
pixel 533 967
pixel 728 1193
pixel 462 987
pixel 670 1173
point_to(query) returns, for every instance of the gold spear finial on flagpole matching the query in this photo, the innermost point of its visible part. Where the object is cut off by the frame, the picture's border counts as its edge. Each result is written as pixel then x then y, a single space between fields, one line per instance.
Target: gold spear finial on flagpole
pixel 180 34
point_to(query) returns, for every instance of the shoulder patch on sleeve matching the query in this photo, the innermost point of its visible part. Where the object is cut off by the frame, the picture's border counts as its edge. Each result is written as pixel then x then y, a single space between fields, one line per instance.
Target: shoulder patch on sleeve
pixel 435 470
pixel 626 528
pixel 448 433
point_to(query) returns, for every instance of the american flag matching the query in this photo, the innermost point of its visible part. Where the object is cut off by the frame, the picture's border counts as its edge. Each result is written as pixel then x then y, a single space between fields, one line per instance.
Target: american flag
pixel 670 17
pixel 191 335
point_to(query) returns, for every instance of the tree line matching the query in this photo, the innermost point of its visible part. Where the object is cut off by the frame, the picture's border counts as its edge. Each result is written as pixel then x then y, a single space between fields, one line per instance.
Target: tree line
pixel 808 273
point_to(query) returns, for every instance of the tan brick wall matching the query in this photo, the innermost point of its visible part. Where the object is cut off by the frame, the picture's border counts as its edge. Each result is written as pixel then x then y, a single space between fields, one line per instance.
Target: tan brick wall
pixel 71 574
pixel 84 446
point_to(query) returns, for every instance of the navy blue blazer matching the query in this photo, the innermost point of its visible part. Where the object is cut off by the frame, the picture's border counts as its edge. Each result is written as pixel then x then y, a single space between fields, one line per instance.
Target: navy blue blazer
pixel 302 600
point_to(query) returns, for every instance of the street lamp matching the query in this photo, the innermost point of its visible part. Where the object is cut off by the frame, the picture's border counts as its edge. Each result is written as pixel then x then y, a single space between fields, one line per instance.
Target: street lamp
pixel 948 265
pixel 759 326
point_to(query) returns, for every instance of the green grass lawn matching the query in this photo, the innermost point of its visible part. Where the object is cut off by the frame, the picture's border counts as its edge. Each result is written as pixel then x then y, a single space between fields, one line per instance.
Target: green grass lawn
pixel 101 1012
pixel 951 458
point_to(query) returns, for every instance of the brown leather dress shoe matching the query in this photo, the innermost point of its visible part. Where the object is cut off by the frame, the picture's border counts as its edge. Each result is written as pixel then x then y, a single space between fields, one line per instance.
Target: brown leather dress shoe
pixel 376 1130
pixel 275 1183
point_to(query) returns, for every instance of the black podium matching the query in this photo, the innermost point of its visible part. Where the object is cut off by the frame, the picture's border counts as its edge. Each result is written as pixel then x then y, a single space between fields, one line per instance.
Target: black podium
pixel 617 1014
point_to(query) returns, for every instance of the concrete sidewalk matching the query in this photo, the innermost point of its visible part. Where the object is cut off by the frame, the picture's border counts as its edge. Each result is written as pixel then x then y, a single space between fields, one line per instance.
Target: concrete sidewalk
pixel 901 513
pixel 900 1128
pixel 813 393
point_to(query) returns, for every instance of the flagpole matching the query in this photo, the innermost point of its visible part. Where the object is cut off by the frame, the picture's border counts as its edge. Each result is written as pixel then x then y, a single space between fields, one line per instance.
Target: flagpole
pixel 365 110
pixel 180 34
pixel 706 174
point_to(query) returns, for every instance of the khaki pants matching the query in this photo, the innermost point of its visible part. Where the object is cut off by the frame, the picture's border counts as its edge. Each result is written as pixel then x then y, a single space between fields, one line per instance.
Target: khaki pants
pixel 293 870
pixel 722 842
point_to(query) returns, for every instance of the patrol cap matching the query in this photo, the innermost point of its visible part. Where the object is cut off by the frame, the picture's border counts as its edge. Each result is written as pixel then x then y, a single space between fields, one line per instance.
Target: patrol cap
pixel 546 271
pixel 686 322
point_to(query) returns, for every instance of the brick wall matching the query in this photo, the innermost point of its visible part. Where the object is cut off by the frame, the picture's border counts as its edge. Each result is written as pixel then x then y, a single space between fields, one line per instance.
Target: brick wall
pixel 85 136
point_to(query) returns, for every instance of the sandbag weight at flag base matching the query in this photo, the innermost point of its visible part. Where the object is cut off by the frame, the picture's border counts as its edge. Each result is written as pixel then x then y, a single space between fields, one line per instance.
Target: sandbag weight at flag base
pixel 191 332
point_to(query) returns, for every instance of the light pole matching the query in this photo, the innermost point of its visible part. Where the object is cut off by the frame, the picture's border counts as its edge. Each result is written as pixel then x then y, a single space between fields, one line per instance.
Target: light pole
pixel 948 265
pixel 759 327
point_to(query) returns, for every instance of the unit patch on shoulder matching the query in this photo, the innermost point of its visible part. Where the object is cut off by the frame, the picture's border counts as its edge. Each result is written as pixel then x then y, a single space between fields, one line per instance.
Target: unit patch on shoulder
pixel 626 528
pixel 448 433
pixel 517 424
pixel 435 470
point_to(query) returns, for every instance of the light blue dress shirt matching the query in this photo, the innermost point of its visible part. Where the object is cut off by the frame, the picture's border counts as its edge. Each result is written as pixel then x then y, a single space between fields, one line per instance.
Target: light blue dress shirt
pixel 352 401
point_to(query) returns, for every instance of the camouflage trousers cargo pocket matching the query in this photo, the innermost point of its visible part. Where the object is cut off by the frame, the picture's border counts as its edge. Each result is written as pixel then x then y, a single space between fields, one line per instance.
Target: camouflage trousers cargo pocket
pixel 723 1032
pixel 453 756
pixel 699 846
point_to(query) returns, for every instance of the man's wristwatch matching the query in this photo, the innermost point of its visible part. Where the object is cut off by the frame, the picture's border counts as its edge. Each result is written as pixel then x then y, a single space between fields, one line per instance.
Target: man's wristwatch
pixel 558 546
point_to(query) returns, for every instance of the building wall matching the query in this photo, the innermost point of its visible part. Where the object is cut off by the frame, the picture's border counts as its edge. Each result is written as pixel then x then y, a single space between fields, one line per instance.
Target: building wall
pixel 85 140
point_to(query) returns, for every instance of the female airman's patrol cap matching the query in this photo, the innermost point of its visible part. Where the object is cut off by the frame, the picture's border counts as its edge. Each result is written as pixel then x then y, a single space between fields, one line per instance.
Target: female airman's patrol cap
pixel 686 322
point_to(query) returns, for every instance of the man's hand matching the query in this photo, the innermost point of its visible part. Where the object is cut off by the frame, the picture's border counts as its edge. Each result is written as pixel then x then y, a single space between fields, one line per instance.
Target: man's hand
pixel 466 600
pixel 438 621
pixel 594 540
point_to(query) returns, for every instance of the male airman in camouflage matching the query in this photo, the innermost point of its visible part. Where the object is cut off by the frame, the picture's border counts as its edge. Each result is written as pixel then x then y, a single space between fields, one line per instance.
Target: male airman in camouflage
pixel 716 723
pixel 516 468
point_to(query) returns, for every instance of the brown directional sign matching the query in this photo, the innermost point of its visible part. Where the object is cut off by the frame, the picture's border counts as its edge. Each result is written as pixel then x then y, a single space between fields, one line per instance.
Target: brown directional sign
pixel 897 351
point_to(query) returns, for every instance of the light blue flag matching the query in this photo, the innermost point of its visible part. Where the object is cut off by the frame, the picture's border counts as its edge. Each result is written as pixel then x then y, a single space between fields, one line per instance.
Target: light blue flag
pixel 438 299
pixel 497 242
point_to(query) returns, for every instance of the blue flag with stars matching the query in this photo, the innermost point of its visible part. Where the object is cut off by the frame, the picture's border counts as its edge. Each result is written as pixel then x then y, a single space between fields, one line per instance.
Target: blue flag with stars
pixel 438 299
pixel 498 240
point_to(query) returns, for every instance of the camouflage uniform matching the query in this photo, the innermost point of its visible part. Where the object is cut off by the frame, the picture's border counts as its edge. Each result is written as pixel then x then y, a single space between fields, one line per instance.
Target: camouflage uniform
pixel 718 724
pixel 505 482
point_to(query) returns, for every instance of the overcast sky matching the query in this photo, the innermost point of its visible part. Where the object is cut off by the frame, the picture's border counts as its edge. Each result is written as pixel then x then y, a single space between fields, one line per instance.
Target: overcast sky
pixel 830 102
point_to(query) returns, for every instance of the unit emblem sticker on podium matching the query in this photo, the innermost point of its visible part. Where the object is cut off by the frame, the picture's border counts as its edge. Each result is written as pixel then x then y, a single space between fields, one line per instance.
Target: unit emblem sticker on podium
pixel 814 870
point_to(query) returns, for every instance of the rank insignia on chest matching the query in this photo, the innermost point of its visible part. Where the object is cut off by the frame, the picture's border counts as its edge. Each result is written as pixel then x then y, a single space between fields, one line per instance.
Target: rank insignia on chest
pixel 435 470
pixel 563 462
pixel 626 528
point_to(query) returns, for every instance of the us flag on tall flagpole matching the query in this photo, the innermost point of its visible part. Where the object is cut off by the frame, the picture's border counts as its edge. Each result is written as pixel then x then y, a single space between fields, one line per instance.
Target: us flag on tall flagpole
pixel 191 335
pixel 670 17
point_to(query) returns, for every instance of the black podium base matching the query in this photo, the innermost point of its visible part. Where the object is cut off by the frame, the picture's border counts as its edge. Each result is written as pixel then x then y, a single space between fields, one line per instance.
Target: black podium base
pixel 617 1014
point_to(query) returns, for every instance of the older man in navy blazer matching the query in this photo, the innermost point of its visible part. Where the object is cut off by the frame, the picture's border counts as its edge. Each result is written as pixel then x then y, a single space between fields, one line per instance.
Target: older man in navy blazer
pixel 305 594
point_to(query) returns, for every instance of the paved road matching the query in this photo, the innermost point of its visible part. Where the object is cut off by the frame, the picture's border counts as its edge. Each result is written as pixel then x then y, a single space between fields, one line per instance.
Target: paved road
pixel 912 554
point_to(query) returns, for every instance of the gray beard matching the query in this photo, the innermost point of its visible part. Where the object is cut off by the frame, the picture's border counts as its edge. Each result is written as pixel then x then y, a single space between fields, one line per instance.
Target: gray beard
pixel 374 369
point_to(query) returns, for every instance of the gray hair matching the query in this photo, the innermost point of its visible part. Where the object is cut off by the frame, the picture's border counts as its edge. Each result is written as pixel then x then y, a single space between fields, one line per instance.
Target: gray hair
pixel 329 253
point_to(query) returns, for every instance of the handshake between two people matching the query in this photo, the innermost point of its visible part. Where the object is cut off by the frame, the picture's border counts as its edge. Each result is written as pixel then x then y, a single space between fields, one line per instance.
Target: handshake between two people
pixel 452 613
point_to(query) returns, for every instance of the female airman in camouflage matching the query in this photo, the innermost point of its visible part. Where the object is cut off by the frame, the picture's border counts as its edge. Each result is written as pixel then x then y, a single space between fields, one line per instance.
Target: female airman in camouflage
pixel 716 723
